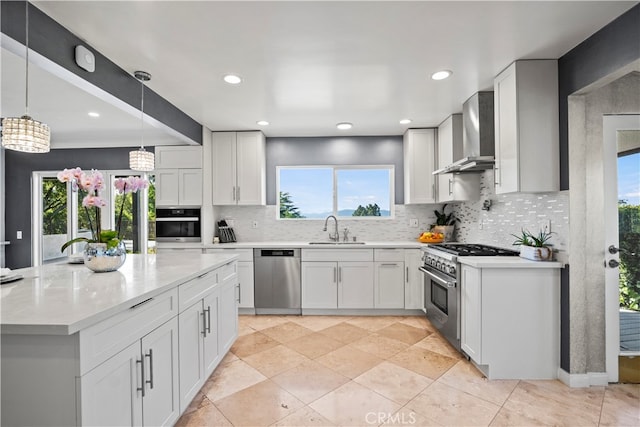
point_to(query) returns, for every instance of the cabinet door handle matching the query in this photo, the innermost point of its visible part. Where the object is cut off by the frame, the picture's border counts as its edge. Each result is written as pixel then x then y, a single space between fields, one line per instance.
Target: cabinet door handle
pixel 204 323
pixel 239 293
pixel 495 174
pixel 141 362
pixel 450 190
pixel 234 193
pixel 339 274
pixel 406 275
pixel 208 310
pixel 150 380
pixel 335 275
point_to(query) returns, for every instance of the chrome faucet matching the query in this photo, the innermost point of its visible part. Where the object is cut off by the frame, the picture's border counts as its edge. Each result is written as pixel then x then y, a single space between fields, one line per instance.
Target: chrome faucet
pixel 336 236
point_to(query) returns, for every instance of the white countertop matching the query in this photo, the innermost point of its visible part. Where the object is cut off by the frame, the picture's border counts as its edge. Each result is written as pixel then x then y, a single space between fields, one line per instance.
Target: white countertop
pixel 506 262
pixel 405 244
pixel 61 299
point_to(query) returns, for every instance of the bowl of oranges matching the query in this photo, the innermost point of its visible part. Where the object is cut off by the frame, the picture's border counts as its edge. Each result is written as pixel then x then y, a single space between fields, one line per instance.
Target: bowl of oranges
pixel 431 237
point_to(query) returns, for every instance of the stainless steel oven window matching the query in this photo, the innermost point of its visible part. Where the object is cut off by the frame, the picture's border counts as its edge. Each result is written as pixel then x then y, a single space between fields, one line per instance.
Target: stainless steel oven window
pixel 439 296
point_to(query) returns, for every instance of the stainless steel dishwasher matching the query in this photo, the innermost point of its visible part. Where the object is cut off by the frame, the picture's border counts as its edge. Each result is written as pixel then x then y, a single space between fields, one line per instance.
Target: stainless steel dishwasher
pixel 277 281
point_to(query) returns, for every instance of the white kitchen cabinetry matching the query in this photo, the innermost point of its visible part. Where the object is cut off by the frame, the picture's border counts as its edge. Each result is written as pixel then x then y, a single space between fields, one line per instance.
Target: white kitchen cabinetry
pixel 239 168
pixel 414 286
pixel 178 187
pixel 341 278
pixel 510 321
pixel 419 164
pixel 389 278
pixel 526 127
pixel 454 187
pixel 178 172
pixel 228 312
pixel 245 276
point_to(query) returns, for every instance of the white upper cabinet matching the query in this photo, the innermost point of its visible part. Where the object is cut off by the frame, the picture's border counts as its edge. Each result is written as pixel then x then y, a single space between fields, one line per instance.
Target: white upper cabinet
pixel 454 187
pixel 239 168
pixel 419 164
pixel 526 127
pixel 178 175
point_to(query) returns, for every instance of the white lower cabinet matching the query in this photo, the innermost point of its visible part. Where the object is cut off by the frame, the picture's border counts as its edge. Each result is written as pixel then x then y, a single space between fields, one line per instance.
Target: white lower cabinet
pixel 510 321
pixel 245 274
pixel 389 285
pixel 137 385
pixel 320 285
pixel 355 284
pixel 228 313
pixel 413 284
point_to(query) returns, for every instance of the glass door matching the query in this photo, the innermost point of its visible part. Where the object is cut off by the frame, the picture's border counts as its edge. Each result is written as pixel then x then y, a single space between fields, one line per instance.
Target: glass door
pixel 55 218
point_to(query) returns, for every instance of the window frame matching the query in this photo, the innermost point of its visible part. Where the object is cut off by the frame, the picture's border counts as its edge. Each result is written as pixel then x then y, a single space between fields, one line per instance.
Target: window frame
pixel 390 168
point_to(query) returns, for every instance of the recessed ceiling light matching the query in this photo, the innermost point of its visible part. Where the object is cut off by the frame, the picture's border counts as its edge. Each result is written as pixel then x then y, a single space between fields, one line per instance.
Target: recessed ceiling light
pixel 441 75
pixel 93 114
pixel 232 79
pixel 262 123
pixel 344 125
pixel 405 121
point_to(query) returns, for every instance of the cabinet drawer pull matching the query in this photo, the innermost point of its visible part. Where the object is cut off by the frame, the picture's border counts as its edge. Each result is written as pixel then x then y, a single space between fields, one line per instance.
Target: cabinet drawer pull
pixel 388 265
pixel 140 303
pixel 141 362
pixel 208 310
pixel 150 380
pixel 204 323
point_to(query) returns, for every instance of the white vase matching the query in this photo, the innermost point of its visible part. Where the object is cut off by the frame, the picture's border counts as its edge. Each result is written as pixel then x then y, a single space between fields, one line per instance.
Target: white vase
pixel 101 260
pixel 536 253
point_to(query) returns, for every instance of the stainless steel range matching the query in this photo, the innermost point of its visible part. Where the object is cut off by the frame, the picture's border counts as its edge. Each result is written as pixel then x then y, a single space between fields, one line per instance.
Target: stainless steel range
pixel 441 270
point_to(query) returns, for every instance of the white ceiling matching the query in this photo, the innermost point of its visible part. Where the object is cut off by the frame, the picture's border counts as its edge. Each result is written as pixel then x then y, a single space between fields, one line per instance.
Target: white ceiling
pixel 309 65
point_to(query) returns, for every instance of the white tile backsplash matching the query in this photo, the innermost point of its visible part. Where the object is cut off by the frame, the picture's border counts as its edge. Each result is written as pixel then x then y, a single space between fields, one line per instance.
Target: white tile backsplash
pixel 271 229
pixel 509 213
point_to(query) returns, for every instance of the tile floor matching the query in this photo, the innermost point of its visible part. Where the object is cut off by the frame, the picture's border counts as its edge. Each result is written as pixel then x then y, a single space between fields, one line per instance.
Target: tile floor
pixel 389 371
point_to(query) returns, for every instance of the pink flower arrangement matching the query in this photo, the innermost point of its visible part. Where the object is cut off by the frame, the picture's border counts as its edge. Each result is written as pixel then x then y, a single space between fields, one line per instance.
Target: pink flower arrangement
pixel 92 183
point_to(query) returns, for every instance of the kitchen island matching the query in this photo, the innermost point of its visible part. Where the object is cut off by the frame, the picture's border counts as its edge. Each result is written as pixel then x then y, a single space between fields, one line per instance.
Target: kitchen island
pixel 130 347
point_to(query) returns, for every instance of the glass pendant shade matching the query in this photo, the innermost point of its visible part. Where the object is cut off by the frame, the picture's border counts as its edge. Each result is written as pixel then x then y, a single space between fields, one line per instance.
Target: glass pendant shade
pixel 25 134
pixel 141 160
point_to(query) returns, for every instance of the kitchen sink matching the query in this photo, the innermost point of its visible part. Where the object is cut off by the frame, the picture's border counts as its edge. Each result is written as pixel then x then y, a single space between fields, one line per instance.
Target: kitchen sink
pixel 336 243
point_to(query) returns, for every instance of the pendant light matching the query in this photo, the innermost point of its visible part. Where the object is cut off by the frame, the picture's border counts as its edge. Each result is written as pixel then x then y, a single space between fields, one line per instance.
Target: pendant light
pixel 24 133
pixel 141 159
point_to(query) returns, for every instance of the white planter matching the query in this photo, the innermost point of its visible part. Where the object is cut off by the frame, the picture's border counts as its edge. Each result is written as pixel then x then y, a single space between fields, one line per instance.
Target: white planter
pixel 536 254
pixel 447 230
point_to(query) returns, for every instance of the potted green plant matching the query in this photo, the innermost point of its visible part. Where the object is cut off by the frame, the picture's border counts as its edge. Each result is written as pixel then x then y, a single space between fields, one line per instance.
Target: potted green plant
pixel 534 247
pixel 445 223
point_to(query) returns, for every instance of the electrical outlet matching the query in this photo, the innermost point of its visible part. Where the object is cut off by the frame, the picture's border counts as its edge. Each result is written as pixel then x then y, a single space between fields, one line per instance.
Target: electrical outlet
pixel 254 224
pixel 413 222
pixel 19 235
pixel 546 226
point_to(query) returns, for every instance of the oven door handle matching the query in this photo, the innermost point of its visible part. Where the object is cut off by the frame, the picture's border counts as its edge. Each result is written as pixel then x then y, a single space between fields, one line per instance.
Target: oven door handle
pixel 178 219
pixel 440 278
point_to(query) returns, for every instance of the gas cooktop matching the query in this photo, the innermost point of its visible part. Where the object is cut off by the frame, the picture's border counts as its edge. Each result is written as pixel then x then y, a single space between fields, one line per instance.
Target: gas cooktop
pixel 470 249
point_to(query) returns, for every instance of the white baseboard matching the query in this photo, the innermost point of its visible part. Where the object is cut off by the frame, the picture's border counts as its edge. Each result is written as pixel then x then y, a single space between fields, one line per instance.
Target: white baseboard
pixel 583 380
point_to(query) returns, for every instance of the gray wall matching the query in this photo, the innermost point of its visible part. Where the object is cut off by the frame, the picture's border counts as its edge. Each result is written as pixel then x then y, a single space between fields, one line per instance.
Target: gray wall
pixel 352 150
pixel 17 175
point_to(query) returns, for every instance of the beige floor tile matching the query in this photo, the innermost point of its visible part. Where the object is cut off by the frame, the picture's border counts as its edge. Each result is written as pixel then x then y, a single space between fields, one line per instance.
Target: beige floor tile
pixel 259 322
pixel 465 377
pixel 402 332
pixel 286 332
pixel 230 378
pixel 198 402
pixel 349 361
pixel 309 380
pixel 379 345
pixel 344 332
pixel 508 418
pixel 424 362
pixel 317 323
pixel 205 415
pixel 393 382
pixel 259 405
pixel 245 330
pixel 621 406
pixel 554 403
pixel 372 323
pixel 314 345
pixel 451 407
pixel 436 343
pixel 228 358
pixel 353 405
pixel 275 360
pixel 303 417
pixel 407 418
pixel 251 344
pixel 420 322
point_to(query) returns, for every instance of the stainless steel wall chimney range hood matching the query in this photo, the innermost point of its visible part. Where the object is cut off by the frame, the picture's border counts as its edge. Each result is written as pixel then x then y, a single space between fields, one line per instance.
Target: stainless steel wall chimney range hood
pixel 478 137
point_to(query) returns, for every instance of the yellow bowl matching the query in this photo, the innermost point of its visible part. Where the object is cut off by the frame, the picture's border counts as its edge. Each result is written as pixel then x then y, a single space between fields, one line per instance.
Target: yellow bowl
pixel 425 240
